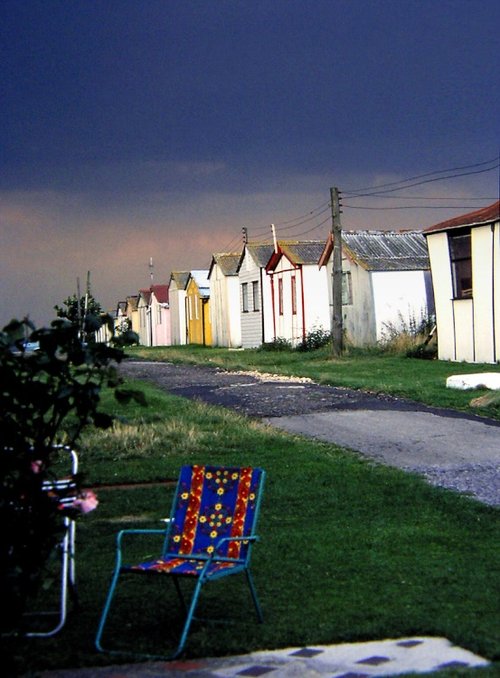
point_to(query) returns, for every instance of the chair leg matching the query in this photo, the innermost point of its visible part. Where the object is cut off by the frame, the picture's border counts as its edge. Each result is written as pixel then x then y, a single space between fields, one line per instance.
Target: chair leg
pixel 105 611
pixel 255 599
pixel 189 618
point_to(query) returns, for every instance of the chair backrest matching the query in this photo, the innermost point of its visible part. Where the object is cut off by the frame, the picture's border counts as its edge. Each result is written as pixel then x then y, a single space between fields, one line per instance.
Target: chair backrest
pixel 213 502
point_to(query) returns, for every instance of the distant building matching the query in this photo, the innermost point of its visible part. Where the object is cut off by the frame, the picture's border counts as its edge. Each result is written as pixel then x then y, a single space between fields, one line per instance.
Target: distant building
pixel 225 300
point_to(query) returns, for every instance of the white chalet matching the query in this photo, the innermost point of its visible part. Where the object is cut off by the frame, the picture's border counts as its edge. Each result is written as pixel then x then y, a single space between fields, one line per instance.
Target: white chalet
pixel 255 295
pixel 465 263
pixel 385 282
pixel 225 300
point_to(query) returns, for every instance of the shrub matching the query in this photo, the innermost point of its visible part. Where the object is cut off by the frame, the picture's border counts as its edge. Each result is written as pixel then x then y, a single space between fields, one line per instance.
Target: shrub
pixel 47 397
pixel 408 336
pixel 316 338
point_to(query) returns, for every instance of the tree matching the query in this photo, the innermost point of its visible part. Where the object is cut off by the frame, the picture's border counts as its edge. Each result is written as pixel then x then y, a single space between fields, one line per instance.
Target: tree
pixel 47 397
pixel 77 309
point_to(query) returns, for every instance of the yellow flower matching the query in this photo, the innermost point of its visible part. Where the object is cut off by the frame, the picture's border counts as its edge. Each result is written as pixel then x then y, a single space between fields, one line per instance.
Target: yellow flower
pixel 203 519
pixel 177 538
pixel 213 534
pixel 184 495
pixel 208 475
pixel 218 507
pixel 220 491
pixel 228 519
pixel 210 549
pixel 234 476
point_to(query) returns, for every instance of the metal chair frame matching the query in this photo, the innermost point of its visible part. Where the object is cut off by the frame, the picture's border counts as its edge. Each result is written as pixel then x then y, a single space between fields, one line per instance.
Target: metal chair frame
pixel 66 546
pixel 205 561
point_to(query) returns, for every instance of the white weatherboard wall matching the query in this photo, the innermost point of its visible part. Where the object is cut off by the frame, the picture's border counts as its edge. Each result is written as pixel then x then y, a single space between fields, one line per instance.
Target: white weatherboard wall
pixel 359 316
pixel 177 314
pixel 398 296
pixel 468 329
pixel 225 309
pixel 255 323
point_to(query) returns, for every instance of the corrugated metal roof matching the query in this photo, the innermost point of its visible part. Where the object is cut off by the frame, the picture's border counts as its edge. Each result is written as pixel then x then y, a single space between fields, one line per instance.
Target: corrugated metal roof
pixel 227 262
pixel 484 215
pixel 387 250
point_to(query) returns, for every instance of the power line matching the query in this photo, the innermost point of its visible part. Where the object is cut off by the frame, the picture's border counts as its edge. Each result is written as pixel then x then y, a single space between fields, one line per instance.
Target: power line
pixel 303 216
pixel 422 176
pixel 410 207
pixel 421 183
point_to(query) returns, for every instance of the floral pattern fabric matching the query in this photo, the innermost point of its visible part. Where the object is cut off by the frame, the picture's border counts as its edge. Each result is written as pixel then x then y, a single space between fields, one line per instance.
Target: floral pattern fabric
pixel 212 503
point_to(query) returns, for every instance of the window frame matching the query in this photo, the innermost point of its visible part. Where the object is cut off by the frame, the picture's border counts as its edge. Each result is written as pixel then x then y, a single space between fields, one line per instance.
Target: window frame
pixel 255 295
pixel 244 297
pixel 460 252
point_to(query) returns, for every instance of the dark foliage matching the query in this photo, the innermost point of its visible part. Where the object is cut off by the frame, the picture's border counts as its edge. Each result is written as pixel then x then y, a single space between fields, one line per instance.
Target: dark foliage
pixel 50 383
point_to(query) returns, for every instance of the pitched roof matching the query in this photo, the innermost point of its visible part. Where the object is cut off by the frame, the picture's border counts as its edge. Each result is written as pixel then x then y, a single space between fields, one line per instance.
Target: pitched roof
pixel 260 253
pixel 201 279
pixel 180 278
pixel 161 293
pixel 298 252
pixel 482 216
pixel 227 262
pixel 383 250
pixel 146 295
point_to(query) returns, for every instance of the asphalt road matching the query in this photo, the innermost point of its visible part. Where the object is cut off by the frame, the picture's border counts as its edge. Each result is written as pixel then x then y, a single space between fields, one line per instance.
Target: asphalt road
pixel 451 449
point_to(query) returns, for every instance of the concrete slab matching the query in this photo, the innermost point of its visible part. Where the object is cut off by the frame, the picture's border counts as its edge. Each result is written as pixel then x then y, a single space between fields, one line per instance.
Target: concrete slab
pixel 466 382
pixel 375 658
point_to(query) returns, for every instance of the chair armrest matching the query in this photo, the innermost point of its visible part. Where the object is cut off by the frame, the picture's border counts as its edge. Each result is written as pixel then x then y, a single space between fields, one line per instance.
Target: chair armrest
pixel 251 539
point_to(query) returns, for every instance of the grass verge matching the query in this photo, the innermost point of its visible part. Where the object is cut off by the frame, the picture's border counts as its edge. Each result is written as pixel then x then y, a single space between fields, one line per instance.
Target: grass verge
pixel 350 550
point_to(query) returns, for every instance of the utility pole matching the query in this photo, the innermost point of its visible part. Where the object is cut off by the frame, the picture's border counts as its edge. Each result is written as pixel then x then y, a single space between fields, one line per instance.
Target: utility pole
pixel 337 329
pixel 151 275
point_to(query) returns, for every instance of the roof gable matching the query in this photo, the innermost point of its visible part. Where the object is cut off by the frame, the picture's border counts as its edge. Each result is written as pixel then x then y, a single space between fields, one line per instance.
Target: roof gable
pixel 479 217
pixel 298 253
pixel 161 293
pixel 200 277
pixel 180 278
pixel 260 253
pixel 227 262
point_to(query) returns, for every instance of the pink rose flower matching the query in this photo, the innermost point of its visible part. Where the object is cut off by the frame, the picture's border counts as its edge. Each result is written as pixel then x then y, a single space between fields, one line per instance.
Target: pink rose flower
pixel 36 466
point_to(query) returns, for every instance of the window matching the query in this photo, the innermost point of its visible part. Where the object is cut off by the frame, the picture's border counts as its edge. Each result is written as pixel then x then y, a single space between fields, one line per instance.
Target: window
pixel 346 288
pixel 294 295
pixel 244 297
pixel 280 296
pixel 255 295
pixel 461 263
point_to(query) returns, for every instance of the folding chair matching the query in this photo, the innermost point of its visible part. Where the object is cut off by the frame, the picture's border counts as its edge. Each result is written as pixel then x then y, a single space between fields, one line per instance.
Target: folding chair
pixel 63 490
pixel 209 536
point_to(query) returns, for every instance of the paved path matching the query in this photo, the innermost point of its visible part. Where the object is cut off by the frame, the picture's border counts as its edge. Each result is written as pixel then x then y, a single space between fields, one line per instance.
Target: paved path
pixel 349 660
pixel 450 449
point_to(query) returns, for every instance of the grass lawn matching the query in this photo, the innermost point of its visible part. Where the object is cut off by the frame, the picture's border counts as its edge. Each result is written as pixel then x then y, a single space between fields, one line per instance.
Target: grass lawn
pixel 421 380
pixel 350 550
